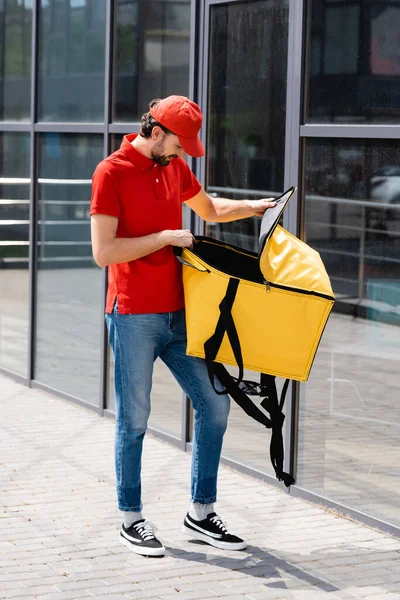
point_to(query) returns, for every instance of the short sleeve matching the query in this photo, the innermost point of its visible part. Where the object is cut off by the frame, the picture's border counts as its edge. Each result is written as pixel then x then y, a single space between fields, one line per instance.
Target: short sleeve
pixel 105 198
pixel 190 184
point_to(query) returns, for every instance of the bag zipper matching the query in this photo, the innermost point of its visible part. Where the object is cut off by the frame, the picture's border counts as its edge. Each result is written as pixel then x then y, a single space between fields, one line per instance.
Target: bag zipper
pixel 268 284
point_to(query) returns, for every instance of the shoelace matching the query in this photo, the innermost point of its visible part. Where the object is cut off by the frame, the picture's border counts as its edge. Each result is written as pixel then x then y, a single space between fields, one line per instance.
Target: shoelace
pixel 145 530
pixel 220 523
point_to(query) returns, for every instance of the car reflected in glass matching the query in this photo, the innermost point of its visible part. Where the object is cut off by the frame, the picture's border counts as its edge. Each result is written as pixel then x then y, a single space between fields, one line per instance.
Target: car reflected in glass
pixel 385 185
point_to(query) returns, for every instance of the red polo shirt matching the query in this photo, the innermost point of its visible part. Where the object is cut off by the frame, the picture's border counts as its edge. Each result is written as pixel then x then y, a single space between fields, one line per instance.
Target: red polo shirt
pixel 146 198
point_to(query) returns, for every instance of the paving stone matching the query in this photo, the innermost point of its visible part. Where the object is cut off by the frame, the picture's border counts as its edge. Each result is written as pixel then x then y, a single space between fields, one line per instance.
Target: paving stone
pixel 32 591
pixel 11 585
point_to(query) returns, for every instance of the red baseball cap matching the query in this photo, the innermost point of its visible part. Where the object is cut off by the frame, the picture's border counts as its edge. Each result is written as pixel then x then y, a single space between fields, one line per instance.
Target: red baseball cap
pixel 184 118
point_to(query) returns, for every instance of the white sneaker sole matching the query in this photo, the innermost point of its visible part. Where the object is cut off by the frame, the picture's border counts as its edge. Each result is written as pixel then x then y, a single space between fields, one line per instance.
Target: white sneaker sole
pixel 142 551
pixel 196 535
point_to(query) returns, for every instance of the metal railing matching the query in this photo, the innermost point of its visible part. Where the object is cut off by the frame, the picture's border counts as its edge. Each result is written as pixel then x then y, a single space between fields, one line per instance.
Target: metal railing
pixel 44 222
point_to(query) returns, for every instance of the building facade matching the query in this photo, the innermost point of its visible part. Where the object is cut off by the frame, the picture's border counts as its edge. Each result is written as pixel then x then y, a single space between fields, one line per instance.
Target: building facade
pixel 294 92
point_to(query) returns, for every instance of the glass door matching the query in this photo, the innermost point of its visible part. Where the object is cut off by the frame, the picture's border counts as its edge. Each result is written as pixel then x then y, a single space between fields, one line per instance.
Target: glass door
pixel 244 92
pixel 243 96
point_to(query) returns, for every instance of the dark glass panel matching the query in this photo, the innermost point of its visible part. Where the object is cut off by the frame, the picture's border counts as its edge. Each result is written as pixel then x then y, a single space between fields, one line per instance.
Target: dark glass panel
pixel 349 410
pixel 15 59
pixel 354 62
pixel 69 284
pixel 72 60
pixel 353 213
pixel 151 54
pixel 14 251
pixel 246 114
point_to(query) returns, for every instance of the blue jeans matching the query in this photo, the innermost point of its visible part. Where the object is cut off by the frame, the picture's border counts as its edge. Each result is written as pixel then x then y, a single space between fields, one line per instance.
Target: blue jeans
pixel 137 340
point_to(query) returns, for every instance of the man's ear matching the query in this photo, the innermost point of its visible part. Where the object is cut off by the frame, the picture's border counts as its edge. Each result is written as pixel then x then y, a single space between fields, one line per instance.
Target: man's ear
pixel 156 133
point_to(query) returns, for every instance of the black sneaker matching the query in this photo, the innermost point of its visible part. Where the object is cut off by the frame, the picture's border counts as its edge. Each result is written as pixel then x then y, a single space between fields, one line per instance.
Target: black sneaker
pixel 140 538
pixel 214 531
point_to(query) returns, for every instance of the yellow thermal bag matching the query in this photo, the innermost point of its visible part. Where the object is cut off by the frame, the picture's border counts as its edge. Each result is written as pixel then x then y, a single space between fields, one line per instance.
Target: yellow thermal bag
pixel 265 312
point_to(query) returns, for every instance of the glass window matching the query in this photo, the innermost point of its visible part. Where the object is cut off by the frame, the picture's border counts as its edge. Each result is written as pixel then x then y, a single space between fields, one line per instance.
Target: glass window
pixel 14 251
pixel 354 62
pixel 69 296
pixel 349 414
pixel 72 60
pixel 15 59
pixel 246 113
pixel 166 394
pixel 151 54
pixel 246 147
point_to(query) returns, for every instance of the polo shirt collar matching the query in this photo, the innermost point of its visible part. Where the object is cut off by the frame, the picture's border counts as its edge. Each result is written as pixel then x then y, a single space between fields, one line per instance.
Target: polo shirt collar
pixel 136 157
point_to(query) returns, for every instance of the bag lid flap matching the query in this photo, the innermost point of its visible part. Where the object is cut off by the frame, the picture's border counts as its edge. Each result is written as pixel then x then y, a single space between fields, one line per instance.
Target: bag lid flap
pixel 271 218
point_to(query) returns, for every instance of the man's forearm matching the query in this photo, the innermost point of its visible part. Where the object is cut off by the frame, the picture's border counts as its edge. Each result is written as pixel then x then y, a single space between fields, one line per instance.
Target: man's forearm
pixel 121 250
pixel 222 210
pixel 225 210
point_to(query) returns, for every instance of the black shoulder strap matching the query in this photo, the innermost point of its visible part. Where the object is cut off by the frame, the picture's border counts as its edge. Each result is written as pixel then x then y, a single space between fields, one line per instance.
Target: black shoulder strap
pixel 226 325
pixel 231 386
pixel 274 408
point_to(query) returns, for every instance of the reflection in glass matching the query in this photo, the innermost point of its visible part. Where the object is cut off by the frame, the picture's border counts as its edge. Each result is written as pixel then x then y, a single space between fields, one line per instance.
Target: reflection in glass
pixel 15 59
pixel 353 217
pixel 246 147
pixel 349 415
pixel 14 251
pixel 354 63
pixel 151 54
pixel 69 284
pixel 246 114
pixel 71 58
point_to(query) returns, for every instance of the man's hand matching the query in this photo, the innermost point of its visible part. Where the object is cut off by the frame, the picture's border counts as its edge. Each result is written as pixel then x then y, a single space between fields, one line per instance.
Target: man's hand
pixel 260 206
pixel 180 237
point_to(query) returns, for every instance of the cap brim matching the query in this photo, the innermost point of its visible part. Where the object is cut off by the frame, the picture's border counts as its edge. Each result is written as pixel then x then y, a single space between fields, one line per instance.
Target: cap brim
pixel 192 146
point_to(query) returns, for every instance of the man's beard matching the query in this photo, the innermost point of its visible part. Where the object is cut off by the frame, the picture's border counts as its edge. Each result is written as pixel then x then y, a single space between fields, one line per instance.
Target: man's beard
pixel 157 154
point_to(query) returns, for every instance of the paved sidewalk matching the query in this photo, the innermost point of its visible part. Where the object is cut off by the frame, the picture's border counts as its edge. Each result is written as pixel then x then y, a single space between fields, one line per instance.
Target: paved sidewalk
pixel 59 523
